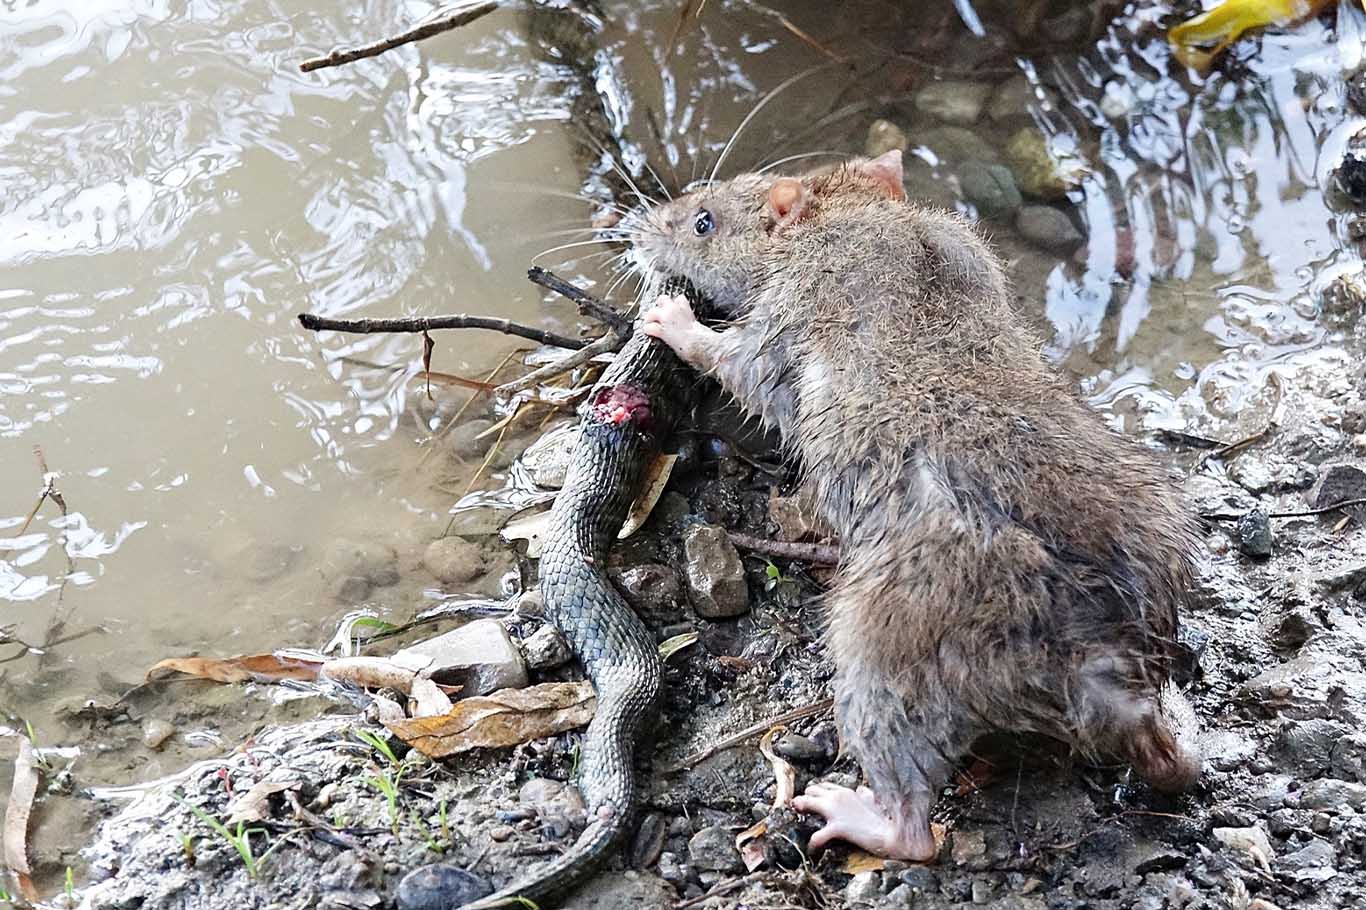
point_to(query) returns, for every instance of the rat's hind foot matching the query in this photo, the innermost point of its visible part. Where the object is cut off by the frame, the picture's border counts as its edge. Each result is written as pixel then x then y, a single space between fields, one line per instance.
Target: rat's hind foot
pixel 854 816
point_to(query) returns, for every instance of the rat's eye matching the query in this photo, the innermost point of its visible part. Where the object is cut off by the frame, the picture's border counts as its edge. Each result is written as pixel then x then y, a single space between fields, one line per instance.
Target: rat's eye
pixel 703 224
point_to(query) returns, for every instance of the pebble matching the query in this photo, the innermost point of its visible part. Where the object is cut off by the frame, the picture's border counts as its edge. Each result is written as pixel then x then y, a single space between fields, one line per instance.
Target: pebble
pixel 990 187
pixel 1037 173
pixel 790 516
pixel 1316 854
pixel 981 891
pixel 1321 823
pixel 546 648
pixel 956 144
pixel 501 833
pixel 1348 760
pixel 1261 903
pixel 864 886
pixel 672 870
pixel 1333 796
pixel 884 136
pixel 373 562
pixel 1251 842
pixel 1012 99
pixel 546 795
pixel 439 887
pixel 652 589
pixel 969 848
pixel 155 733
pixel 453 560
pixel 953 102
pixel 715 577
pixel 1339 483
pixel 713 850
pixel 1047 227
pixel 1254 534
pixel 350 589
pixel 648 846
pixel 898 897
pixel 1307 746
pixel 795 747
pixel 920 878
pixel 480 657
pixel 464 439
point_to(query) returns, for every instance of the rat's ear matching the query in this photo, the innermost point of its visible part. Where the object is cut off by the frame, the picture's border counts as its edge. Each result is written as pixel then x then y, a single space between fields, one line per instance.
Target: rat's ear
pixel 885 171
pixel 786 201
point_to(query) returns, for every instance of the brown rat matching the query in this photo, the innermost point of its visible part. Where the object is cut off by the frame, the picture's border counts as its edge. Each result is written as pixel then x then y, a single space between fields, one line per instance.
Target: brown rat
pixel 1009 562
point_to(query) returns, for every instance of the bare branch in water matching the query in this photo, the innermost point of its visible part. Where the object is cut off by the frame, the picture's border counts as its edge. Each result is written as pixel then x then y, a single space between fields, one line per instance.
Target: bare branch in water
pixel 417 33
pixel 588 304
pixel 316 323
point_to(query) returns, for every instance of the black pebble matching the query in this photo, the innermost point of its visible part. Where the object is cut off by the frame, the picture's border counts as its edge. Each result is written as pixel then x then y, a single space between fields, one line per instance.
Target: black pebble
pixel 1351 176
pixel 440 887
pixel 1254 534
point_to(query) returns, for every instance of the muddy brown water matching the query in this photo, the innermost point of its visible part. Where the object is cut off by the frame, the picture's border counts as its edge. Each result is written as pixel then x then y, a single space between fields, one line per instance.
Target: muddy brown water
pixel 173 191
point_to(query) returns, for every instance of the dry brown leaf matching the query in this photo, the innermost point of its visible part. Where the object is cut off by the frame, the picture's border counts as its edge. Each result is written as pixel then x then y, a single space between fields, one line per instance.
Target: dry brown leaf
pixel 656 478
pixel 258 667
pixel 21 794
pixel 783 772
pixel 370 672
pixel 752 854
pixel 254 804
pixel 505 718
pixel 860 861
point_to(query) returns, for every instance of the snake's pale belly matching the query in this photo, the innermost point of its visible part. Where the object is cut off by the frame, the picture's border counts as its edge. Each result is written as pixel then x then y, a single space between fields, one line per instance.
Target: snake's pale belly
pixel 629 414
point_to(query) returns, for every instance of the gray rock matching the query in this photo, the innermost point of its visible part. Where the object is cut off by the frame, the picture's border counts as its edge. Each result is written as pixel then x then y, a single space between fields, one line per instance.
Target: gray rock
pixel 921 879
pixel 439 887
pixel 453 560
pixel 900 896
pixel 1250 843
pixel 1348 760
pixel 480 657
pixel 793 519
pixel 1046 227
pixel 375 562
pixel 1272 474
pixel 883 136
pixel 713 850
pixel 652 589
pixel 648 846
pixel 953 102
pixel 1333 796
pixel 1316 854
pixel 673 871
pixel 990 187
pixel 464 439
pixel 546 648
pixel 969 849
pixel 1339 483
pixel 715 577
pixel 795 747
pixel 1038 173
pixel 1254 534
pixel 981 891
pixel 155 732
pixel 1307 746
pixel 955 144
pixel 1012 99
pixel 1348 579
pixel 865 886
pixel 1317 682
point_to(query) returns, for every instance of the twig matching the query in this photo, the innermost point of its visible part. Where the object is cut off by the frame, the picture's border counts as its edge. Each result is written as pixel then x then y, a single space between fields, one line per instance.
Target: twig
pixel 425 30
pixel 716 891
pixel 609 342
pixel 752 730
pixel 792 27
pixel 316 323
pixel 820 554
pixel 1301 513
pixel 588 304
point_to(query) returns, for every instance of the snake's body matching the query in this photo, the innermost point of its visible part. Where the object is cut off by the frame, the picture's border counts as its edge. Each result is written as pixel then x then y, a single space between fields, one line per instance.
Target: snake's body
pixel 629 415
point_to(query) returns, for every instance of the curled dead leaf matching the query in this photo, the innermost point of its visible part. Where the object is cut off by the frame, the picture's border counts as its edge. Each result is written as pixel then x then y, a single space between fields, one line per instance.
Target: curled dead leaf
pixel 505 718
pixel 22 791
pixel 245 668
pixel 656 479
pixel 253 805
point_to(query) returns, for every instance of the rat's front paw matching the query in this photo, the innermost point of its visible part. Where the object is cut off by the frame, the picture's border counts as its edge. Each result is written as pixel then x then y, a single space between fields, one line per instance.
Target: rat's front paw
pixel 672 322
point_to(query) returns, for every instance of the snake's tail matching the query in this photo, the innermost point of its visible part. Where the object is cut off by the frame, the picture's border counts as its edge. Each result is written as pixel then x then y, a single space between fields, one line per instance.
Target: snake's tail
pixel 560 874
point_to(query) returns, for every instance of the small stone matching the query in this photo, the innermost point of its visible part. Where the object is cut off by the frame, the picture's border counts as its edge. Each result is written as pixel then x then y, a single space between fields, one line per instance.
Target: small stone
pixel 715 577
pixel 546 648
pixel 1046 227
pixel 480 657
pixel 899 897
pixel 453 560
pixel 1117 100
pixel 465 441
pixel 956 144
pixel 155 733
pixel 1347 579
pixel 648 846
pixel 1260 903
pixel 1254 534
pixel 1333 796
pixel 1250 842
pixel 1307 746
pixel 1316 854
pixel 713 850
pixel 792 517
pixel 551 796
pixel 1350 177
pixel 1321 823
pixel 920 878
pixel 990 187
pixel 865 886
pixel 1012 99
pixel 671 870
pixel 969 848
pixel 1348 759
pixel 439 887
pixel 652 589
pixel 981 891
pixel 1037 172
pixel 798 748
pixel 1339 483
pixel 953 102
pixel 501 833
pixel 372 561
pixel 884 136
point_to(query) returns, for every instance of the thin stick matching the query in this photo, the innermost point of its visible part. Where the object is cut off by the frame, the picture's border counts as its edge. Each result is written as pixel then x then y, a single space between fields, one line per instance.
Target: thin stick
pixel 716 891
pixel 820 554
pixel 752 730
pixel 316 323
pixel 588 304
pixel 609 342
pixel 426 30
pixel 1302 513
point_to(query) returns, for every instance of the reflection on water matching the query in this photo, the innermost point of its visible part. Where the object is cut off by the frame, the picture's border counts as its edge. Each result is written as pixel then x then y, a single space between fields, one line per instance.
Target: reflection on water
pixel 174 191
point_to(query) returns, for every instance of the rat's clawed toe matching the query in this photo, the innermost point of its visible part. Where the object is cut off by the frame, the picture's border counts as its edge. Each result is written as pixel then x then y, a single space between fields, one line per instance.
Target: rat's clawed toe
pixel 671 320
pixel 854 816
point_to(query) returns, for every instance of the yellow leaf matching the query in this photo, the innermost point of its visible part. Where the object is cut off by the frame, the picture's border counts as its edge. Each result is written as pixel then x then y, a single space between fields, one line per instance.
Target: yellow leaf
pixel 859 861
pixel 1222 25
pixel 656 479
pixel 508 717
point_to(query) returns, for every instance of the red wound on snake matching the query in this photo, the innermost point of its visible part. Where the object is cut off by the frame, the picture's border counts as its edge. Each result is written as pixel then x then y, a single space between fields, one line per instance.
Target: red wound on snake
pixel 621 404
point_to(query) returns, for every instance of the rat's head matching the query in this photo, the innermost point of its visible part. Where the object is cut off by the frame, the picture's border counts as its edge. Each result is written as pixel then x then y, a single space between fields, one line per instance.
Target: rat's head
pixel 723 237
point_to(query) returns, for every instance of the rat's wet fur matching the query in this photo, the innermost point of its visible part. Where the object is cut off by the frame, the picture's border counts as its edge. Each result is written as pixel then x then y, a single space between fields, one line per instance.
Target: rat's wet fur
pixel 1009 562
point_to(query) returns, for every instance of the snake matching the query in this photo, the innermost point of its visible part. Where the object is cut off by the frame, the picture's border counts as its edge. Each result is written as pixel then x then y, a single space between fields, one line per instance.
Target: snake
pixel 627 417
